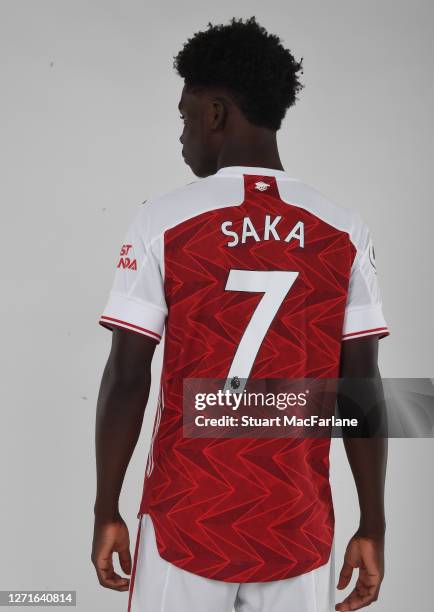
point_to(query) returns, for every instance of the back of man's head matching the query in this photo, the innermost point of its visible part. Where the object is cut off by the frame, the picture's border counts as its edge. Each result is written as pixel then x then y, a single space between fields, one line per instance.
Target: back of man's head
pixel 249 63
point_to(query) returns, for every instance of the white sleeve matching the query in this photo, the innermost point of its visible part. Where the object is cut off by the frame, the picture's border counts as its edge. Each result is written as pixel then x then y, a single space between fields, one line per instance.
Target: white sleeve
pixel 364 312
pixel 136 300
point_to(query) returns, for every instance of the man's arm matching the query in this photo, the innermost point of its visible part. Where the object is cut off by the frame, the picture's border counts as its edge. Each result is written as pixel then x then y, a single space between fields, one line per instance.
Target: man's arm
pixel 121 404
pixel 367 457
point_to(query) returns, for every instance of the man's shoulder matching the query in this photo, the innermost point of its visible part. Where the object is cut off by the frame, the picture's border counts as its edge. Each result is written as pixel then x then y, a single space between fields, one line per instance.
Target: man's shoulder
pixel 165 210
pixel 194 189
pixel 310 198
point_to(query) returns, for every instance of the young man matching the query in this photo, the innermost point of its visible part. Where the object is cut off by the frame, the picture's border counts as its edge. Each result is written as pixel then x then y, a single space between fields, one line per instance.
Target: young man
pixel 252 274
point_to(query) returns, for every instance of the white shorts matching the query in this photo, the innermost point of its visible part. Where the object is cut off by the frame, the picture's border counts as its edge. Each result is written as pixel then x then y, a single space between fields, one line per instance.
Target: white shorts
pixel 159 586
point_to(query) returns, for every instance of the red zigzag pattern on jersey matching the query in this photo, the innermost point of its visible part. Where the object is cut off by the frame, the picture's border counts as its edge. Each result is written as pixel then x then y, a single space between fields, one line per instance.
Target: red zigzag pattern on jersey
pixel 246 510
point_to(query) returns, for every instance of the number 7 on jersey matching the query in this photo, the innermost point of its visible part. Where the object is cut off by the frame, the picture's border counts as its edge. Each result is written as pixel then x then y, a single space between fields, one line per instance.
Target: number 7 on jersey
pixel 275 285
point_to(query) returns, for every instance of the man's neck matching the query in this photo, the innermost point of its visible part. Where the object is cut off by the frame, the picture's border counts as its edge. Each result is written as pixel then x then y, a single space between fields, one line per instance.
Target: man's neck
pixel 257 148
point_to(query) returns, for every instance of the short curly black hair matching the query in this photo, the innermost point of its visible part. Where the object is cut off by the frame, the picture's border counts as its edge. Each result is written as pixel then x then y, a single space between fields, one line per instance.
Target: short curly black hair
pixel 247 61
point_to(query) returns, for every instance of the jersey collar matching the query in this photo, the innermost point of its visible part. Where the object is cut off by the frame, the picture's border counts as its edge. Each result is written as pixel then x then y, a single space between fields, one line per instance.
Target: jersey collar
pixel 238 170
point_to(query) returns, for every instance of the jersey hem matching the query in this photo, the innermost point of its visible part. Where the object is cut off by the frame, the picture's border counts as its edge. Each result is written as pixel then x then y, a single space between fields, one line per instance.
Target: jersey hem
pixel 297 570
pixel 135 315
pixel 381 332
pixel 109 323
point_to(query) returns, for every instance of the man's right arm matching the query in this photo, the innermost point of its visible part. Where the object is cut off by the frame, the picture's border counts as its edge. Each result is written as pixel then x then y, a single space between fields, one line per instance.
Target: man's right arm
pixel 121 403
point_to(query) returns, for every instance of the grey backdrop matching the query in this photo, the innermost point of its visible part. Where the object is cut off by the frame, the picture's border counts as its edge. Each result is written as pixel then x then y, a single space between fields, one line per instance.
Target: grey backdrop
pixel 89 129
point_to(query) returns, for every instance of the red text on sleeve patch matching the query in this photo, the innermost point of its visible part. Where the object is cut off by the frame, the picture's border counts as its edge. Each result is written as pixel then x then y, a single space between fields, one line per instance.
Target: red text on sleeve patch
pixel 124 261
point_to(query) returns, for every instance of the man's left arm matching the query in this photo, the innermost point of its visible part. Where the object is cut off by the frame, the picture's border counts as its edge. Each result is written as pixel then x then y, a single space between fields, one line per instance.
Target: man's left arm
pixel 361 388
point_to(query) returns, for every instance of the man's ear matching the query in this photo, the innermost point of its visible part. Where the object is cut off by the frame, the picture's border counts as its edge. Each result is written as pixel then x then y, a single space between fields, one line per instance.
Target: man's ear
pixel 219 106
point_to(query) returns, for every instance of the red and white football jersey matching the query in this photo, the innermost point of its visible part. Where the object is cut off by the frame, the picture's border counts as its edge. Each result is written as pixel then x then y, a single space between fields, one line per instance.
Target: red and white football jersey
pixel 196 263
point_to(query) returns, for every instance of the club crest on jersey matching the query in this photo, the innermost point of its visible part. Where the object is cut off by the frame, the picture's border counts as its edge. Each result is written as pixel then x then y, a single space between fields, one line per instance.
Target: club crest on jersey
pixel 261 186
pixel 125 262
pixel 270 231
